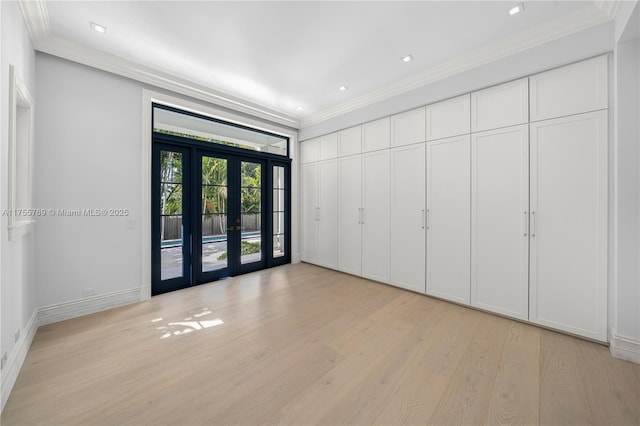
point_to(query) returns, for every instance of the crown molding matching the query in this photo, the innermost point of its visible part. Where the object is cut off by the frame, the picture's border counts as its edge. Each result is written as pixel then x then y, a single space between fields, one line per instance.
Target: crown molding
pixel 582 19
pixel 36 18
pixel 610 7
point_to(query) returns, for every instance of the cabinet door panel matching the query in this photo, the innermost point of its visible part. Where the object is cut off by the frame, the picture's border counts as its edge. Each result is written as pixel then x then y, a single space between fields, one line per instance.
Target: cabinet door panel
pixel 500 106
pixel 349 214
pixel 309 252
pixel 328 214
pixel 500 242
pixel 375 216
pixel 309 151
pixel 376 135
pixel 449 118
pixel 350 141
pixel 572 89
pixel 408 128
pixel 448 218
pixel 569 232
pixel 328 147
pixel 407 217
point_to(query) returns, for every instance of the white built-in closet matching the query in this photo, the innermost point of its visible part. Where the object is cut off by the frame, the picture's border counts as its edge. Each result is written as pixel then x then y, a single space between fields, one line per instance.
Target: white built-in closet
pixel 496 199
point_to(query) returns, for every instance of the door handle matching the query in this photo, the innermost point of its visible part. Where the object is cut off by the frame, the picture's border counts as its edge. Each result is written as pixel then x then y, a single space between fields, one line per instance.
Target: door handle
pixel 525 224
pixel 362 216
pixel 533 224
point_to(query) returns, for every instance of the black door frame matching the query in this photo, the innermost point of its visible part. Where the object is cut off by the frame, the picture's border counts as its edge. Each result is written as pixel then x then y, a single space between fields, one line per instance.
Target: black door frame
pixel 192 249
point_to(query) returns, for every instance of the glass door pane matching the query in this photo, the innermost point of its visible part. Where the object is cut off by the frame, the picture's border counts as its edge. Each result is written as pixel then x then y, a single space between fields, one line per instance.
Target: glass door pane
pixel 171 215
pixel 214 213
pixel 250 212
pixel 279 211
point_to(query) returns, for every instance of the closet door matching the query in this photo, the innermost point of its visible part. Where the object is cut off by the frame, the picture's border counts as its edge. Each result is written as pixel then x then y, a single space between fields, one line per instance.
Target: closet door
pixel 350 214
pixel 328 214
pixel 448 218
pixel 350 141
pixel 376 135
pixel 499 212
pixel 408 217
pixel 309 252
pixel 569 224
pixel 408 128
pixel 375 216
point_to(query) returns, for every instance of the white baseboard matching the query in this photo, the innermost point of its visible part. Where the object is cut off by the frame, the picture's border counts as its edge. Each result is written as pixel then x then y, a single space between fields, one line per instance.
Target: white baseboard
pixel 624 347
pixel 16 358
pixel 87 305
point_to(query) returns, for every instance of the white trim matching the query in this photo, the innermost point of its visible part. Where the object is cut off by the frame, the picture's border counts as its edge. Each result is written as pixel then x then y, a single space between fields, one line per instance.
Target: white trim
pixel 610 7
pixel 20 139
pixel 88 305
pixel 36 18
pixel 16 358
pixel 623 347
pixel 149 97
pixel 579 20
pixel 35 14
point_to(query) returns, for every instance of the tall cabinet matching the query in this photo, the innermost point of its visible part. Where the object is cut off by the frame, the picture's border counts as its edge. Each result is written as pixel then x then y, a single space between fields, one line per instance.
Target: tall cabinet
pixel 320 201
pixel 408 212
pixel 448 200
pixel 568 262
pixel 363 207
pixel 500 199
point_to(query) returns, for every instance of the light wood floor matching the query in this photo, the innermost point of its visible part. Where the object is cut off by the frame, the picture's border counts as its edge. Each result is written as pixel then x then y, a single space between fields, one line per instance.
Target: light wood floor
pixel 304 345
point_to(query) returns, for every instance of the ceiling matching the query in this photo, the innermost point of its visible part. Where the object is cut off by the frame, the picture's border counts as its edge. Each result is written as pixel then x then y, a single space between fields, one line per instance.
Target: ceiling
pixel 289 58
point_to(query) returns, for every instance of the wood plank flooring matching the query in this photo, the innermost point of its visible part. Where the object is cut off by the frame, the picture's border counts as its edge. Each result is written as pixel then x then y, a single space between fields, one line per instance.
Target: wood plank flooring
pixel 301 345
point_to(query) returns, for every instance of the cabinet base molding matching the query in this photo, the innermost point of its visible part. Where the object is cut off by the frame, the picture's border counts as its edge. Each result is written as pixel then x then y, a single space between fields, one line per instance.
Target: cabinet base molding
pixel 625 348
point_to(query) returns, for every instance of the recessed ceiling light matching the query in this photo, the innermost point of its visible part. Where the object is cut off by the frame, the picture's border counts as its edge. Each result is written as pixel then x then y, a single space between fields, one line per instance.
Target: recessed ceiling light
pixel 342 88
pixel 98 28
pixel 516 9
pixel 407 58
pixel 299 107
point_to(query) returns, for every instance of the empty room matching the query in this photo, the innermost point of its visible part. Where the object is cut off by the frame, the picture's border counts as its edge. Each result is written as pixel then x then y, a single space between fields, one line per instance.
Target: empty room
pixel 319 212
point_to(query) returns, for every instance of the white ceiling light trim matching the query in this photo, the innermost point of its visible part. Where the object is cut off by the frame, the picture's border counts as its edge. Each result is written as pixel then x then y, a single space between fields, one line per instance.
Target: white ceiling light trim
pixel 562 26
pixel 342 88
pixel 515 9
pixel 98 28
pixel 407 58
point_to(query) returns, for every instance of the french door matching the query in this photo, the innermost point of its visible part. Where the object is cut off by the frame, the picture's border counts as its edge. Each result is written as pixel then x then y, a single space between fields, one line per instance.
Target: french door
pixel 215 215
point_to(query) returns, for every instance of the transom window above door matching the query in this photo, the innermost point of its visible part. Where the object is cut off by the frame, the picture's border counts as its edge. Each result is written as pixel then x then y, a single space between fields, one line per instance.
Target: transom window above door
pixel 192 126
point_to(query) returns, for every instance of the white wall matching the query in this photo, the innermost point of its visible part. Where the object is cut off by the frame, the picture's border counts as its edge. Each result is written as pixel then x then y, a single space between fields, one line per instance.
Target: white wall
pixel 17 278
pixel 626 221
pixel 87 145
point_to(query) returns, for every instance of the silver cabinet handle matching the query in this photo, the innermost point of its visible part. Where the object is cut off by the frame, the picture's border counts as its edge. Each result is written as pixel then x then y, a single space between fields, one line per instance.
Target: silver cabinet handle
pixel 423 219
pixel 428 217
pixel 318 213
pixel 533 224
pixel 524 223
pixel 362 215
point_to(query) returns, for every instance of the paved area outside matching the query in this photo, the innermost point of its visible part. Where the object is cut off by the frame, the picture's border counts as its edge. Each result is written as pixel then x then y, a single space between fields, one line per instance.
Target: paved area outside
pixel 171 258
